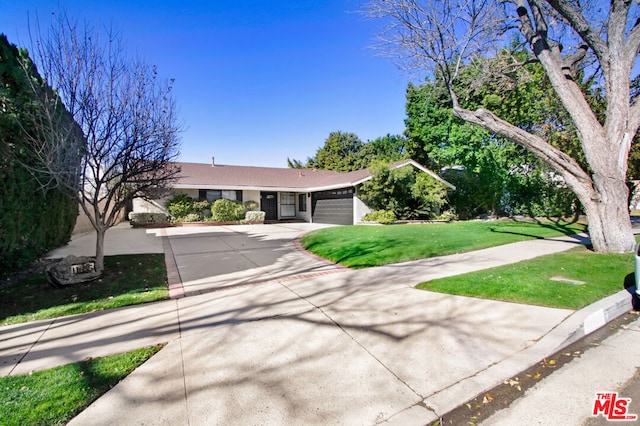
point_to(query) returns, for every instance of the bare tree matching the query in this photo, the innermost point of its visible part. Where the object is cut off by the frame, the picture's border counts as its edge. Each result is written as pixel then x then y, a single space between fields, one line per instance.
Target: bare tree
pixel 442 35
pixel 125 136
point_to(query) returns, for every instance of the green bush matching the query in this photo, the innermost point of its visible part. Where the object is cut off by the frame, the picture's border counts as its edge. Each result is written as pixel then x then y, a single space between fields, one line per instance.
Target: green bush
pixel 191 217
pixel 141 219
pixel 201 208
pixel 251 205
pixel 180 205
pixel 384 217
pixel 227 210
pixel 448 216
pixel 254 217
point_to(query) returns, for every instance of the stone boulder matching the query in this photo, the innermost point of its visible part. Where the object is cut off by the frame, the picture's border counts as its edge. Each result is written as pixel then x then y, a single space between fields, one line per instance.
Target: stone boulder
pixel 72 270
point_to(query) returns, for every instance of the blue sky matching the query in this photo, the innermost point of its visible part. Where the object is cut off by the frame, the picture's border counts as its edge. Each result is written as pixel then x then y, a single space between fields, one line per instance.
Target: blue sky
pixel 256 81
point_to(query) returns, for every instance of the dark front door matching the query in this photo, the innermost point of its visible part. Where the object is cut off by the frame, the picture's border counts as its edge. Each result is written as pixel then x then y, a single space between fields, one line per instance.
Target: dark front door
pixel 269 205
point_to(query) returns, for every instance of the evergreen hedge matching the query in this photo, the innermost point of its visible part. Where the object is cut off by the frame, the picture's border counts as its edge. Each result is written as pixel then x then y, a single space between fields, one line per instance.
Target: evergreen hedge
pixel 33 219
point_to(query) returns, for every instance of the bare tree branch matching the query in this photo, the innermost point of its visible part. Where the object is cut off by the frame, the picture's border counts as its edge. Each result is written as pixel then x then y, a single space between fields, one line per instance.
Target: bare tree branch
pixel 578 22
pixel 435 35
pixel 125 114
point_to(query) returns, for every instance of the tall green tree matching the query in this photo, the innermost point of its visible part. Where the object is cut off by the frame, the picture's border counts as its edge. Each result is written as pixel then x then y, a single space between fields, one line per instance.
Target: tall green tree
pixel 388 148
pixel 500 177
pixel 340 152
pixel 345 152
pixel 440 36
pixel 428 125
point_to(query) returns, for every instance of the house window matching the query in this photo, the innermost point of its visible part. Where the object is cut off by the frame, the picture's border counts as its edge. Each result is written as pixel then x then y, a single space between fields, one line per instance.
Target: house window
pixel 212 195
pixel 287 204
pixel 302 202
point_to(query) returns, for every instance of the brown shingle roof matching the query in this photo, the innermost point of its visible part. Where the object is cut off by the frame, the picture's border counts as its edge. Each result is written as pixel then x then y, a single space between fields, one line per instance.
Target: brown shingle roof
pixel 220 176
pixel 231 177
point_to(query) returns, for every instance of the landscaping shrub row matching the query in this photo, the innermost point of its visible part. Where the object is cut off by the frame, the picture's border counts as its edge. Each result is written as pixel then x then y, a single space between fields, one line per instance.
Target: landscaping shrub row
pixel 183 208
pixel 384 217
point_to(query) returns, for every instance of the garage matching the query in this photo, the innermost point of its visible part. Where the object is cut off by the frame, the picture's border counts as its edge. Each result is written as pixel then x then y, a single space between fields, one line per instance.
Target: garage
pixel 334 206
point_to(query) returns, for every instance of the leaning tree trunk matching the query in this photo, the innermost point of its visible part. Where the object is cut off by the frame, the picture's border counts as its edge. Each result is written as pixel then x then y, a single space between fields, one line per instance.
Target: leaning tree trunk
pixel 608 216
pixel 603 193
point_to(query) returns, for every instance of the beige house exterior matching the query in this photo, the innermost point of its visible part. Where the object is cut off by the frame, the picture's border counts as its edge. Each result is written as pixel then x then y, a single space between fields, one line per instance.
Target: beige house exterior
pixel 315 196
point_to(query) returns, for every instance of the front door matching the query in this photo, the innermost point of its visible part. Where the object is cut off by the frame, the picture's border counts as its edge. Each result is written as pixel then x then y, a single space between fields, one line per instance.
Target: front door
pixel 269 205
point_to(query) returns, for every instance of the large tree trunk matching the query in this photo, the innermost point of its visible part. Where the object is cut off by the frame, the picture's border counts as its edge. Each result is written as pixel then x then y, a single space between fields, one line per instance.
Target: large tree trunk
pixel 609 222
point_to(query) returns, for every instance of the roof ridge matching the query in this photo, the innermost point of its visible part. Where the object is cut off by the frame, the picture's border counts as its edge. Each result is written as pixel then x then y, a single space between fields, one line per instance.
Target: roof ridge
pixel 261 167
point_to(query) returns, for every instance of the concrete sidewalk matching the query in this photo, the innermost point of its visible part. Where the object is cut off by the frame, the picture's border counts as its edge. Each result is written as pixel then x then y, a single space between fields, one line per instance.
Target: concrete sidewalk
pixel 353 347
pixel 567 396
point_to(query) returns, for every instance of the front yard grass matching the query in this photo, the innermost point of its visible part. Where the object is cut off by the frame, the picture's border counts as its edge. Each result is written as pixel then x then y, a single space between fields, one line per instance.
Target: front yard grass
pixel 530 281
pixel 366 246
pixel 127 280
pixel 55 396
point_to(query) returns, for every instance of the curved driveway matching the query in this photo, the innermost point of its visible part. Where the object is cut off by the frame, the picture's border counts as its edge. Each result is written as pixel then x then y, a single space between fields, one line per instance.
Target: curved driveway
pixel 212 258
pixel 308 345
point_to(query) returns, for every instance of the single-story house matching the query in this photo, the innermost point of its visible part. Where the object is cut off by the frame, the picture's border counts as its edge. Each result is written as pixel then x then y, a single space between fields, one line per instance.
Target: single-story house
pixel 317 196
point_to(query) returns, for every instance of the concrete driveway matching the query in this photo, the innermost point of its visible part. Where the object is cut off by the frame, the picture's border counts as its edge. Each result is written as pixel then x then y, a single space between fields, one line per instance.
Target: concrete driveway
pixel 212 258
pixel 312 344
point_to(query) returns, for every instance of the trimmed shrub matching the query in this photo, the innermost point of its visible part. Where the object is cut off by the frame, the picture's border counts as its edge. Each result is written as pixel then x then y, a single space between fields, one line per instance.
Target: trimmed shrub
pixel 384 217
pixel 191 217
pixel 254 217
pixel 201 208
pixel 251 205
pixel 180 205
pixel 142 219
pixel 227 211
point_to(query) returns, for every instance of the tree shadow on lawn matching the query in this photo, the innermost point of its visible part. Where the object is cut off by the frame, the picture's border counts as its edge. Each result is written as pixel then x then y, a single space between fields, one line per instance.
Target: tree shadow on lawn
pixel 565 229
pixel 364 250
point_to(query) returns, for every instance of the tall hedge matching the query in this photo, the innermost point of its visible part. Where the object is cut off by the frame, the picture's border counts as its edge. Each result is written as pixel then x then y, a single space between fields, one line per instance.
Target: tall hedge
pixel 34 218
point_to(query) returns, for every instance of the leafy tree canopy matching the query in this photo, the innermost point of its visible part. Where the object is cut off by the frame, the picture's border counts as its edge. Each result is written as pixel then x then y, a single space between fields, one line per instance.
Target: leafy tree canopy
pixel 345 152
pixel 499 176
pixel 407 192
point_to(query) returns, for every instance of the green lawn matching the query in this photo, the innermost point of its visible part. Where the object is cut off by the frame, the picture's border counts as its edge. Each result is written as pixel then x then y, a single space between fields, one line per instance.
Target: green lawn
pixel 365 246
pixel 530 281
pixel 55 396
pixel 127 280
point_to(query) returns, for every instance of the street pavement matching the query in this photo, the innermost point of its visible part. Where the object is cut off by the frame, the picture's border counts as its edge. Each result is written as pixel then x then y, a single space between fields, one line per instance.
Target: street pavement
pixel 274 336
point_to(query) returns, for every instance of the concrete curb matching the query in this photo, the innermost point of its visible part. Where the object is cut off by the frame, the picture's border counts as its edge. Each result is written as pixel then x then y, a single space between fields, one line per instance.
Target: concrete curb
pixel 594 316
pixel 174 281
pixel 574 327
